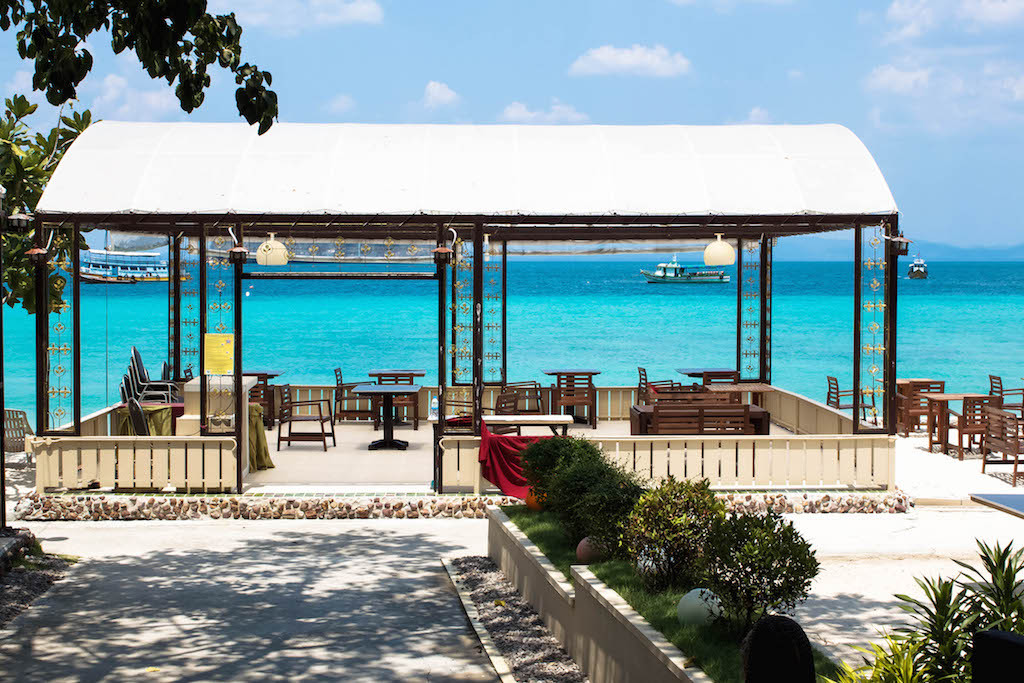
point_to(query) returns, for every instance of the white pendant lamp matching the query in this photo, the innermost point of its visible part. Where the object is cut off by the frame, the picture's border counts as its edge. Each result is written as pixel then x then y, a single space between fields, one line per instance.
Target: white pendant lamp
pixel 719 253
pixel 272 253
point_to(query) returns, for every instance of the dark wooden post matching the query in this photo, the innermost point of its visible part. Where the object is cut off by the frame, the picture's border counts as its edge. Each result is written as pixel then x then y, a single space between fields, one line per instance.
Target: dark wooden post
pixel 765 371
pixel 478 327
pixel 891 280
pixel 76 336
pixel 857 285
pixel 42 333
pixel 202 330
pixel 441 265
pixel 3 433
pixel 176 304
pixel 739 304
pixel 241 402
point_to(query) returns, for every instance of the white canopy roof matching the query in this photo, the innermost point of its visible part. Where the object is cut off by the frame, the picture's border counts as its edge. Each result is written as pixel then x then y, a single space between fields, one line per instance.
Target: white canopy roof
pixel 488 170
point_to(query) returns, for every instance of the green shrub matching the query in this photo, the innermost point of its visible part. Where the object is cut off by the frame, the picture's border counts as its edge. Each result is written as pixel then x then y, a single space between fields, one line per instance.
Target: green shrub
pixel 667 532
pixel 897 660
pixel 758 564
pixel 592 497
pixel 541 458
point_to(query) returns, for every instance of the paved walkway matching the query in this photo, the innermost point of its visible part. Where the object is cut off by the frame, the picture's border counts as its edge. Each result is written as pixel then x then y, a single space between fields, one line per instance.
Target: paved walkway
pixel 298 600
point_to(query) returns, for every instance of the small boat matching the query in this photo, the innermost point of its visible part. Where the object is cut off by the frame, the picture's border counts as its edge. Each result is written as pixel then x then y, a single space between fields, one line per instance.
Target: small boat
pixel 122 267
pixel 918 269
pixel 673 273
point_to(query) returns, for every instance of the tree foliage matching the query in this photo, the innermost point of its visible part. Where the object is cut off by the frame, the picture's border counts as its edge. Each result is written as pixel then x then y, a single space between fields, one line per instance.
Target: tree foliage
pixel 27 160
pixel 177 41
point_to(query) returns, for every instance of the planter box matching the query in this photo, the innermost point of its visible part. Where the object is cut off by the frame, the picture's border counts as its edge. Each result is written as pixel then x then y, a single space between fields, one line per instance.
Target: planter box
pixel 608 639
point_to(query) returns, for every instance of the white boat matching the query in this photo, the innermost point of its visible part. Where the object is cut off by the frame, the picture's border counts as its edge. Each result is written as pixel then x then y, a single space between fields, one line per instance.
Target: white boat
pixel 672 273
pixel 918 269
pixel 122 267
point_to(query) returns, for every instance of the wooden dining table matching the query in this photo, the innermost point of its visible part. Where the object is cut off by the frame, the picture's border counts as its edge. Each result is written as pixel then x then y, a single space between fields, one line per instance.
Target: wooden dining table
pixel 757 389
pixel 405 375
pixel 387 393
pixel 938 416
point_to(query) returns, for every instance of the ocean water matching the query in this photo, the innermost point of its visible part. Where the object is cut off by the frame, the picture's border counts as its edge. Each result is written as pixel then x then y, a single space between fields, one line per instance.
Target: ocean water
pixel 964 322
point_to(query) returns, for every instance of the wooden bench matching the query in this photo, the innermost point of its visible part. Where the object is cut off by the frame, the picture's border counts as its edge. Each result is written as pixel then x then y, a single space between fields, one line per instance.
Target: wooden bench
pixel 553 422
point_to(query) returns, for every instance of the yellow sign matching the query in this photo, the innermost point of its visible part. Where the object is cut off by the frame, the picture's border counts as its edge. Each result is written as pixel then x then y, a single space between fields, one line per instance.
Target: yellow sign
pixel 220 354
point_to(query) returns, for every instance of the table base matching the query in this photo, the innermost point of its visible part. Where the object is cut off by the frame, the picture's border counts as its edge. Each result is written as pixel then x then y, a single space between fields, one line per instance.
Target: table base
pixel 389 444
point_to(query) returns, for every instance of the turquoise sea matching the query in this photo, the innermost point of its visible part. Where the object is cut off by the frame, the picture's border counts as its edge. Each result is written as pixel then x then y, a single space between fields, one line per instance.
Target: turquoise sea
pixel 964 322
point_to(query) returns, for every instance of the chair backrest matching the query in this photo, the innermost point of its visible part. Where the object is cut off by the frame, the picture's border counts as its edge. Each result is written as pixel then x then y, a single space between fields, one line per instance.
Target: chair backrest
pixel 674 418
pixel 728 420
pixel 284 405
pixel 916 399
pixel 579 387
pixel 974 409
pixel 995 385
pixel 721 377
pixel 128 382
pixel 527 391
pixel 16 428
pixel 260 394
pixel 338 379
pixel 693 397
pixel 140 367
pixel 643 377
pixel 165 372
pixel 1002 431
pixel 506 403
pixel 137 417
pixel 832 399
pixel 394 379
pixel 123 388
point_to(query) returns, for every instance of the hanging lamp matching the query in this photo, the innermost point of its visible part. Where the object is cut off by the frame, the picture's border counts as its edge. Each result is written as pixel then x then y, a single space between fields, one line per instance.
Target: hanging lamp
pixel 719 253
pixel 272 253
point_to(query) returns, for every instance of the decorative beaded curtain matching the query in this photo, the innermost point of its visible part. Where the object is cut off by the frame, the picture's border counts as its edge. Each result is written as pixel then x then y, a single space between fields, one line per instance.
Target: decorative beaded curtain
pixel 493 313
pixel 60 332
pixel 220 320
pixel 750 310
pixel 188 255
pixel 872 321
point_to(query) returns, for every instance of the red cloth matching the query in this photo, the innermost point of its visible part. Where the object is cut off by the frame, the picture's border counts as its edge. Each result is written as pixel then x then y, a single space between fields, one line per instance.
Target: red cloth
pixel 500 463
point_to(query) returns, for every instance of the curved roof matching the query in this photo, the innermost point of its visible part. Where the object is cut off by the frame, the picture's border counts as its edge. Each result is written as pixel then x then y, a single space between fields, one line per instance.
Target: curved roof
pixel 488 170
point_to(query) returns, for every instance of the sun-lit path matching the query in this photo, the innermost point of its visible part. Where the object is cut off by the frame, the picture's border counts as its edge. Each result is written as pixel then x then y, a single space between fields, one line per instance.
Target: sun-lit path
pixel 228 601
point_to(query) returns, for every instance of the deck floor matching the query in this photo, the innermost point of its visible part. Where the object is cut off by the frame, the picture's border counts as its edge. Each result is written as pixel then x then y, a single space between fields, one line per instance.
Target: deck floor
pixel 305 466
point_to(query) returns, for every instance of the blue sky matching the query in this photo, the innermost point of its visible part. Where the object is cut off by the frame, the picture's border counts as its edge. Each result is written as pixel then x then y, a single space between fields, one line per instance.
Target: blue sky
pixel 935 88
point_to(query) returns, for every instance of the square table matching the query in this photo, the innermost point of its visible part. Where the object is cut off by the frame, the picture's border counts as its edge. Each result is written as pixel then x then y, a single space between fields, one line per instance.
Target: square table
pixel 756 389
pixel 1010 503
pixel 387 393
pixel 938 416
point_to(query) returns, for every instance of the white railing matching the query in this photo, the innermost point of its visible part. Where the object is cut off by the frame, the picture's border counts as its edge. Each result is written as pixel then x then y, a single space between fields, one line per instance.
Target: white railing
pixel 135 463
pixel 742 462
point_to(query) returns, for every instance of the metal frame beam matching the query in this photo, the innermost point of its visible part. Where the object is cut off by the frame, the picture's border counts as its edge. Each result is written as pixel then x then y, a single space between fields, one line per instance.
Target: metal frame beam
pixel 323 275
pixel 241 402
pixel 478 327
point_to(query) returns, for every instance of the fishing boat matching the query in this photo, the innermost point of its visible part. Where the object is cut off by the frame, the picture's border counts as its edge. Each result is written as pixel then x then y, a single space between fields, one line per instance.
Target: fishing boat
pixel 122 267
pixel 673 273
pixel 918 269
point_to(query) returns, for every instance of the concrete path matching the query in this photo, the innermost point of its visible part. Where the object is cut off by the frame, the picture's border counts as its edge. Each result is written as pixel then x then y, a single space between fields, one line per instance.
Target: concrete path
pixel 297 600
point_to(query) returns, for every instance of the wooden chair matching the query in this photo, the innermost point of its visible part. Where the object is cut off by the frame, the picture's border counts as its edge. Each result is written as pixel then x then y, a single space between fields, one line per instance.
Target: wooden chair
pixel 721 377
pixel 1003 436
pixel 834 398
pixel 573 391
pixel 137 418
pixel 647 390
pixel 16 429
pixel 915 403
pixel 971 423
pixel 507 403
pixel 730 420
pixel 1012 399
pixel 346 403
pixel 287 415
pixel 398 401
pixel 262 395
pixel 528 392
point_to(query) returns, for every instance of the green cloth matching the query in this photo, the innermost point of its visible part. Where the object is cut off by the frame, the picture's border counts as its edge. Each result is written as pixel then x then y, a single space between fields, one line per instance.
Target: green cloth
pixel 160 419
pixel 259 451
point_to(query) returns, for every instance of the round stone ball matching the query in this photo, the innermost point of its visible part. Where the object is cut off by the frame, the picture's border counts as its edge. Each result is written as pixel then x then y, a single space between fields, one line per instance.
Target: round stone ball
pixel 697 607
pixel 588 553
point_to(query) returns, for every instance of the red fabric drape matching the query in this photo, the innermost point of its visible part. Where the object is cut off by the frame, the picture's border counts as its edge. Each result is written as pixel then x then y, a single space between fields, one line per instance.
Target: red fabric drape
pixel 500 463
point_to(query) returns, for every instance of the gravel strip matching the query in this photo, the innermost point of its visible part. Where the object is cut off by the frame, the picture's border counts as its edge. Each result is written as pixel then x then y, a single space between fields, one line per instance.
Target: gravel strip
pixel 517 630
pixel 20 586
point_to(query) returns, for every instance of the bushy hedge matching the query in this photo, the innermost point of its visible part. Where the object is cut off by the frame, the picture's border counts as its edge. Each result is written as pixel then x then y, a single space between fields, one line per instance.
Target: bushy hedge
pixel 668 530
pixel 541 458
pixel 592 497
pixel 758 564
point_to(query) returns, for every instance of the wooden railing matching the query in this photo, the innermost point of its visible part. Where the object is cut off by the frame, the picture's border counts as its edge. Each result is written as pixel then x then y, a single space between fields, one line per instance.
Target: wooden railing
pixel 135 463
pixel 742 462
pixel 801 415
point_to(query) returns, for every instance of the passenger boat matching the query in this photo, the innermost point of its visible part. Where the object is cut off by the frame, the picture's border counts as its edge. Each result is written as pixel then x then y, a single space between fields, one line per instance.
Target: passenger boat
pixel 122 267
pixel 918 269
pixel 673 273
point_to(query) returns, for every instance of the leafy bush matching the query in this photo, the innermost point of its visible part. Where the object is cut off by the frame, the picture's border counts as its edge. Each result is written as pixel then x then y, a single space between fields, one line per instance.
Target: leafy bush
pixel 592 497
pixel 541 458
pixel 937 645
pixel 667 531
pixel 759 564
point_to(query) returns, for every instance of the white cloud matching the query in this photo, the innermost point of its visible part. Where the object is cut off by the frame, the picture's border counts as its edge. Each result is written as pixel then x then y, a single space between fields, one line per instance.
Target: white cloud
pixel 638 60
pixel 339 104
pixel 291 17
pixel 794 74
pixel 1015 86
pixel 992 12
pixel 20 83
pixel 759 115
pixel 517 112
pixel 437 95
pixel 912 17
pixel 118 100
pixel 888 78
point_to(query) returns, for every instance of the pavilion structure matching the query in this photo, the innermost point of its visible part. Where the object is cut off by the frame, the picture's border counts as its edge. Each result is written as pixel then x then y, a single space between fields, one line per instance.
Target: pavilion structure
pixel 463 194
